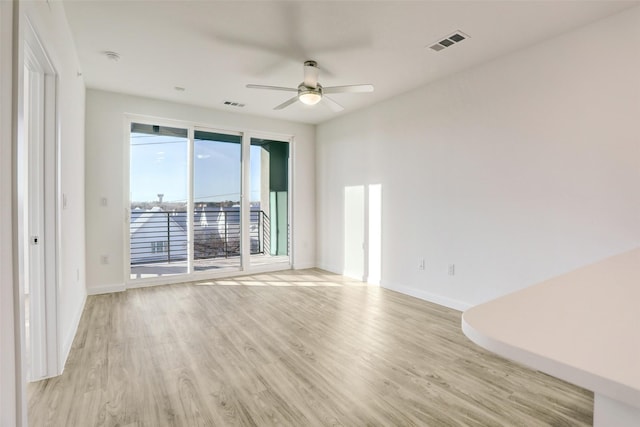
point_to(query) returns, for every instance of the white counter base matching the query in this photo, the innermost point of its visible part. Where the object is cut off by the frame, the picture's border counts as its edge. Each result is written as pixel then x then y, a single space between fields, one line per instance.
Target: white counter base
pixel 612 413
pixel 582 327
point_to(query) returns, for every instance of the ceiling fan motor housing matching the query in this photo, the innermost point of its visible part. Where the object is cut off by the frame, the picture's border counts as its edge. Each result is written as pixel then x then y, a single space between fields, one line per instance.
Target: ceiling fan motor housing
pixel 307 89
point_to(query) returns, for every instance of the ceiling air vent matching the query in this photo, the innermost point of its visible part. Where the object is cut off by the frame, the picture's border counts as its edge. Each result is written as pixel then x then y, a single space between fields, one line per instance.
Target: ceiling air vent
pixel 449 41
pixel 233 104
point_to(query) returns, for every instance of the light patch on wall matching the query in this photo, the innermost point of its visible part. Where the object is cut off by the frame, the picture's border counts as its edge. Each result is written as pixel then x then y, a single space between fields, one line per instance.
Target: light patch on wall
pixel 354 227
pixel 374 263
pixel 363 232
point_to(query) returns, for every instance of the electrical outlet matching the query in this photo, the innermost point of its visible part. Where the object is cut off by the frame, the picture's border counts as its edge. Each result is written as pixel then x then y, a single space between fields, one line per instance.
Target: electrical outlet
pixel 104 259
pixel 421 266
pixel 452 269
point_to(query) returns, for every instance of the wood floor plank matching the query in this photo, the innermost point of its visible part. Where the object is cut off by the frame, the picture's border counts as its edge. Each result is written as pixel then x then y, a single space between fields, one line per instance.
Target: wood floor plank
pixel 294 348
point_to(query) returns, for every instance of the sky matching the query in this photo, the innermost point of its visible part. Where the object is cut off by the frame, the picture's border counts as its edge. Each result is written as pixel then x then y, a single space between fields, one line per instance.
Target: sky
pixel 159 166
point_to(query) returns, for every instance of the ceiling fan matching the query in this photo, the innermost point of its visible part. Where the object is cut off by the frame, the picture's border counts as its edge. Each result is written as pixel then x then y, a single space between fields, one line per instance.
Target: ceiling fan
pixel 310 92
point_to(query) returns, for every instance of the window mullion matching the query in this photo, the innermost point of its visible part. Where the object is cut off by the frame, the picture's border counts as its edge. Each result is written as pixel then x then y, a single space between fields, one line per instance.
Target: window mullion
pixel 245 203
pixel 190 204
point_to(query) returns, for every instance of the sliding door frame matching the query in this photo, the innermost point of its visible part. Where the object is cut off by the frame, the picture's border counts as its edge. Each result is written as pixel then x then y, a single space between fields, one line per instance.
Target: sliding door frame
pixel 245 171
pixel 288 139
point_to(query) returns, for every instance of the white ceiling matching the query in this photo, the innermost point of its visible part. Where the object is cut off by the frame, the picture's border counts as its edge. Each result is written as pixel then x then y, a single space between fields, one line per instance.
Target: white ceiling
pixel 214 48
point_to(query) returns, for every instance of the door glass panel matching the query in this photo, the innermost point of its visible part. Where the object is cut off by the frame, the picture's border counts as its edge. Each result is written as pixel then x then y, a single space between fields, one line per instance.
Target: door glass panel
pixel 216 197
pixel 158 185
pixel 186 213
pixel 269 219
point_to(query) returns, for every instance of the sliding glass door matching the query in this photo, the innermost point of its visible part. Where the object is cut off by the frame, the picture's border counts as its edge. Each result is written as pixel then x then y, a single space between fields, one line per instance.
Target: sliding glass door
pixel 187 210
pixel 217 187
pixel 158 223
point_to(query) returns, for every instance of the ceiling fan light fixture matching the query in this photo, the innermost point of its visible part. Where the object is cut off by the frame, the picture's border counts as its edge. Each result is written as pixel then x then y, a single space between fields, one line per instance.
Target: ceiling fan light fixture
pixel 310 92
pixel 309 96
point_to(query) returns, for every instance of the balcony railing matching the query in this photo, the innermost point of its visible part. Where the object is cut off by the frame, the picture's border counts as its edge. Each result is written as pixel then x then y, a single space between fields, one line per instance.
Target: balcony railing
pixel 159 236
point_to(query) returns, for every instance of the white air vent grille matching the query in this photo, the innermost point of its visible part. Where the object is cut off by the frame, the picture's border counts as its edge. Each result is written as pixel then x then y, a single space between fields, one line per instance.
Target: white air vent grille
pixel 233 104
pixel 448 41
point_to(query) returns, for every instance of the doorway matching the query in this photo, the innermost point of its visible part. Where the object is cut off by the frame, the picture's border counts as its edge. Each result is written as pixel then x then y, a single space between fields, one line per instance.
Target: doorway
pixel 269 198
pixel 38 210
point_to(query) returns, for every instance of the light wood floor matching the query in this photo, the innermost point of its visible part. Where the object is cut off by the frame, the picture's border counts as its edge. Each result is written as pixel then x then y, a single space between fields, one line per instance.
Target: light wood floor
pixel 304 348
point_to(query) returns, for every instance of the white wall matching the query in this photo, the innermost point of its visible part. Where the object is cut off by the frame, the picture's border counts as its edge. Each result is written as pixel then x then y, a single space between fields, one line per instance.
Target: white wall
pixel 50 24
pixel 10 390
pixel 514 171
pixel 106 142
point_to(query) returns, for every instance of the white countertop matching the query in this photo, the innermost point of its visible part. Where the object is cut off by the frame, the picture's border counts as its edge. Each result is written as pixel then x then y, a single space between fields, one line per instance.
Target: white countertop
pixel 583 327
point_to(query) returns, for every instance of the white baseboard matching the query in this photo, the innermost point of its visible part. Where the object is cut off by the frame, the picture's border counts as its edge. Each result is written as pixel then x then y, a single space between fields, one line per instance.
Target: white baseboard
pixel 71 334
pixel 106 289
pixel 266 268
pixel 329 268
pixel 428 296
pixel 304 265
pixel 417 293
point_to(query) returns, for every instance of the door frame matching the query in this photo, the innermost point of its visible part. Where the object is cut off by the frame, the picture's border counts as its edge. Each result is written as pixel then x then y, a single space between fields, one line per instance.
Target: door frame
pixel 36 66
pixel 288 139
pixel 191 126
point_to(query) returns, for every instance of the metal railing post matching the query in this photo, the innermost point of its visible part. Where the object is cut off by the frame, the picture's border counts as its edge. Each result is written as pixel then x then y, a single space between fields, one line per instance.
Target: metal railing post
pixel 266 233
pixel 226 249
pixel 168 239
pixel 260 244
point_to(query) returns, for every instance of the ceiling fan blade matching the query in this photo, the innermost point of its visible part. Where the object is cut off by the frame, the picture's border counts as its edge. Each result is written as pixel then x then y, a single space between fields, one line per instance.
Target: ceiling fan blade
pixel 311 73
pixel 286 89
pixel 285 104
pixel 348 89
pixel 332 104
